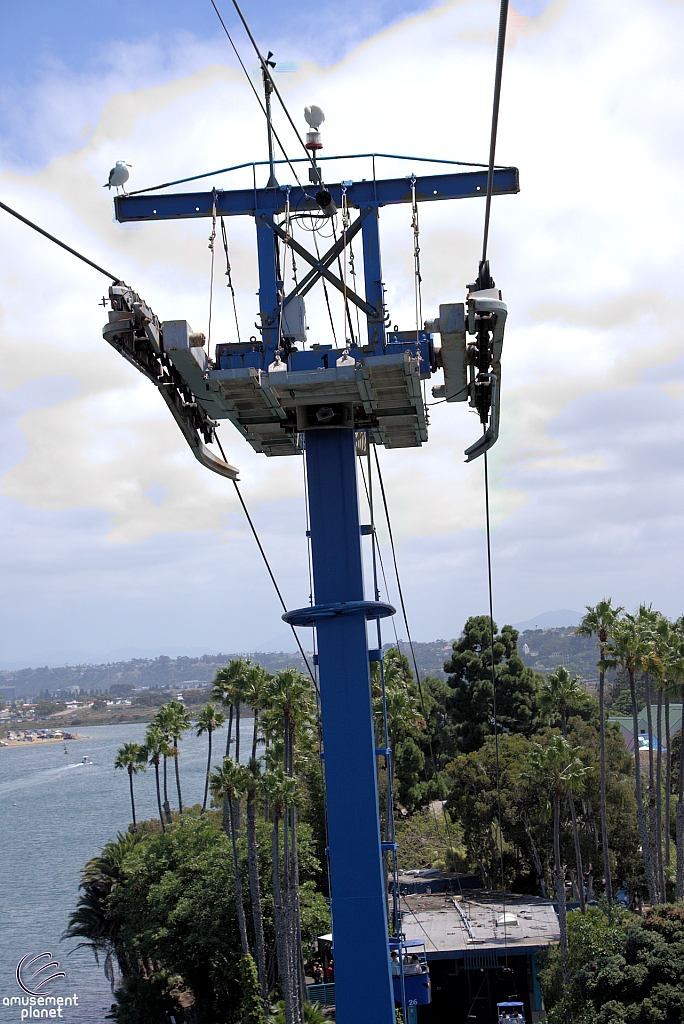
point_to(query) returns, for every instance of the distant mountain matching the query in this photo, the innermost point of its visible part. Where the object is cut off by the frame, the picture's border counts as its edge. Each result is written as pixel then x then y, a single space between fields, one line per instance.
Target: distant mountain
pixel 551 620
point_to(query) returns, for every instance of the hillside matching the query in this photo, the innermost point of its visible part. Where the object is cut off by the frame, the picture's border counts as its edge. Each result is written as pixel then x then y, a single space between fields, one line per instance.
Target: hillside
pixel 545 649
pixel 173 673
pixel 541 649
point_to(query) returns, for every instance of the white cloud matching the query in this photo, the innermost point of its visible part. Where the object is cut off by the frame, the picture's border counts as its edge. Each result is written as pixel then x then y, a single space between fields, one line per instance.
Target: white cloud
pixel 587 256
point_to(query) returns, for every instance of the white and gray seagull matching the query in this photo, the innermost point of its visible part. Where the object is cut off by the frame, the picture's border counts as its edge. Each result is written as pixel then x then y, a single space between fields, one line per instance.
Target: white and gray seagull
pixel 118 176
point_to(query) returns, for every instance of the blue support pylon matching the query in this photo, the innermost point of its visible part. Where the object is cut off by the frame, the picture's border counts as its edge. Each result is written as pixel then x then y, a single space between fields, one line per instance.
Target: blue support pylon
pixel 275 393
pixel 363 983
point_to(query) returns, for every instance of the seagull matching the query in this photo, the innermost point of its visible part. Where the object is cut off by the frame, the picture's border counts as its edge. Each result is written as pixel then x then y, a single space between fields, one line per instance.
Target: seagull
pixel 314 117
pixel 118 176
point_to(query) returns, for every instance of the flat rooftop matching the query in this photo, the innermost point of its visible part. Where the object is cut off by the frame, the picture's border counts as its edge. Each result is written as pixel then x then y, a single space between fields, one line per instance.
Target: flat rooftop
pixel 478 921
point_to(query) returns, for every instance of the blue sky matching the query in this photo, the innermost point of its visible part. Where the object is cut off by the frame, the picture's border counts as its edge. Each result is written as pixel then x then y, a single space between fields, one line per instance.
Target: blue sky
pixel 74 35
pixel 112 540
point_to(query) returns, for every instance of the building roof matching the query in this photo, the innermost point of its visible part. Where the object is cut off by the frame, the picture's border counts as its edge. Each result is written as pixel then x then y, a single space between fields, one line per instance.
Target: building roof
pixel 675 718
pixel 458 926
pixel 422 880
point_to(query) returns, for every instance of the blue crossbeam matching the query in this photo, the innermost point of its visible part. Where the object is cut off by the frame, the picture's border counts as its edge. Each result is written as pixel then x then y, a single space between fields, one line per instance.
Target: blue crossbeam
pixel 380 192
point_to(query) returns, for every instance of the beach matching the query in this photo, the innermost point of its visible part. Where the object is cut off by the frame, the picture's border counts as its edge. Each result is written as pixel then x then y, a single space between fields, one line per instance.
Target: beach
pixel 37 741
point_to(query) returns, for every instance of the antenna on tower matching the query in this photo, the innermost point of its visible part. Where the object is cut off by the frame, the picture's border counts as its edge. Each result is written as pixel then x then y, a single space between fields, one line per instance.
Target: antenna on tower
pixel 268 89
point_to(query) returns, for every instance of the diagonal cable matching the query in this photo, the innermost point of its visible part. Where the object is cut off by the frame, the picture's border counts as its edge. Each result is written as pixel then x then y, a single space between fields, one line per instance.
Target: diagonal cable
pixel 496 730
pixel 41 231
pixel 500 46
pixel 267 72
pixel 269 569
pixel 258 97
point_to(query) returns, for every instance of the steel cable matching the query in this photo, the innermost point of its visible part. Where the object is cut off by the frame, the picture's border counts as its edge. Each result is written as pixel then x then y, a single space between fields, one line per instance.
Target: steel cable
pixel 258 97
pixel 42 231
pixel 500 46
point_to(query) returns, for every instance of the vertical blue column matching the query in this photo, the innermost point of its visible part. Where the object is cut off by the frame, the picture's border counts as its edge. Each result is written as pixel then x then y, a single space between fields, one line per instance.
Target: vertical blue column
pixel 268 285
pixel 363 984
pixel 537 1005
pixel 372 271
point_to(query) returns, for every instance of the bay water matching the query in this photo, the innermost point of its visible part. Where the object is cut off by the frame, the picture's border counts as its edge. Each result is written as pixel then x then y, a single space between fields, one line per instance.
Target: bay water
pixel 55 814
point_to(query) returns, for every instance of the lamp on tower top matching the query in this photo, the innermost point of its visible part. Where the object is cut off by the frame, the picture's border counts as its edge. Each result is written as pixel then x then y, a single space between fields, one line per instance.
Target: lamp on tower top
pixel 314 118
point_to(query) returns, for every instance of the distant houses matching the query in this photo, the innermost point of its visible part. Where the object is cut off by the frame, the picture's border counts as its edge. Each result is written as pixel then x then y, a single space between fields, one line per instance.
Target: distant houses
pixel 627 726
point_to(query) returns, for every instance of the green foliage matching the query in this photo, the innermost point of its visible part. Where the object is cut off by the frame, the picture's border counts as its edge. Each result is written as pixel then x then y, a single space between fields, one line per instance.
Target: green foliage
pixel 473 802
pixel 619 969
pixel 409 764
pixel 427 838
pixel 562 696
pixel 132 757
pixel 251 1009
pixel 164 905
pixel 313 1014
pixel 626 862
pixel 312 806
pixel 620 699
pixel 470 679
pixel 406 728
pixel 525 812
pixel 151 1000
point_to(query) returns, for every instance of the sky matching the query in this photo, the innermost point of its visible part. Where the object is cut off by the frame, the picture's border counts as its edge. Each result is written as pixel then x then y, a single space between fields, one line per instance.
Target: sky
pixel 113 541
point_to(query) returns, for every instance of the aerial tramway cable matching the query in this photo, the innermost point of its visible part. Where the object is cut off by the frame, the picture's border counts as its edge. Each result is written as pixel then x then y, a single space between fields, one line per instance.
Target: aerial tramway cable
pixel 401 596
pixel 42 231
pixel 267 73
pixel 269 570
pixel 445 818
pixel 500 47
pixel 258 97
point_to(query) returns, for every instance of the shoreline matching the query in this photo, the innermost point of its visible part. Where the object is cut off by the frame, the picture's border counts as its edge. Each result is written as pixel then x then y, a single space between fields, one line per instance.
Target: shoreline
pixel 38 742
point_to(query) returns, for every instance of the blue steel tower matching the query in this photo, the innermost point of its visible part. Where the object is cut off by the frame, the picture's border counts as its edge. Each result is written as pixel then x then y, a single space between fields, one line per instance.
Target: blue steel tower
pixel 288 397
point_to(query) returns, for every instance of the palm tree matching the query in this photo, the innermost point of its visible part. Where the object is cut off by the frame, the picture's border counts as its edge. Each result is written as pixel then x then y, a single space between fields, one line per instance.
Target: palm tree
pixel 178 723
pixel 132 757
pixel 674 676
pixel 669 642
pixel 229 686
pixel 94 920
pixel 252 781
pixel 631 648
pixel 253 693
pixel 651 622
pixel 225 783
pixel 599 621
pixel 163 719
pixel 402 707
pixel 290 700
pixel 156 747
pixel 558 691
pixel 209 721
pixel 559 768
pixel 281 791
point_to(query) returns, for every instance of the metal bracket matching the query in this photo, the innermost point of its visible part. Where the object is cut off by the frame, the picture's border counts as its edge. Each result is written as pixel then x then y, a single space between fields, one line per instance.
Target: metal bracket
pixel 310 615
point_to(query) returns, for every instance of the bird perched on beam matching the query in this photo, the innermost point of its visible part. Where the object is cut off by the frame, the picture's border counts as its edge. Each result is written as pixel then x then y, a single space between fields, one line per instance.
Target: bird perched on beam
pixel 118 176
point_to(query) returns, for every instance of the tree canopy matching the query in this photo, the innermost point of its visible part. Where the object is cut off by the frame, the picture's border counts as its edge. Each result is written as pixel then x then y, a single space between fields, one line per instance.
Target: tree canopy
pixel 470 678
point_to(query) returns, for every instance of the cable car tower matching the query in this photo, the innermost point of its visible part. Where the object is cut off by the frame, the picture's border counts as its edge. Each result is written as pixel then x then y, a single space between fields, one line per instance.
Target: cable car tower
pixel 287 396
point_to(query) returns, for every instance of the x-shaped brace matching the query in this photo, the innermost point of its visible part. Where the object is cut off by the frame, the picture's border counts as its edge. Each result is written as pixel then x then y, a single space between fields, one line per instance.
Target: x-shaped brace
pixel 320 266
